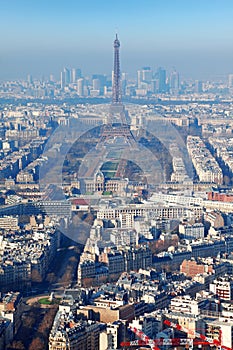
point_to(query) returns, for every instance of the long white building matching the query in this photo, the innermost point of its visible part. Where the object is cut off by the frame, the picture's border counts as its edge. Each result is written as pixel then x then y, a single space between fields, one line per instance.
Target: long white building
pixel 204 163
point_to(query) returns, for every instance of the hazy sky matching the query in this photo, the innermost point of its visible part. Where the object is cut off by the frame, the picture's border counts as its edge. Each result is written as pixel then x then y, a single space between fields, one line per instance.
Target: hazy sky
pixel 43 36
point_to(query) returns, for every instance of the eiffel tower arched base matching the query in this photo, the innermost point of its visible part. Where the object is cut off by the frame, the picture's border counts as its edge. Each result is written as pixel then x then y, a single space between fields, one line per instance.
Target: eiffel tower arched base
pixel 117 130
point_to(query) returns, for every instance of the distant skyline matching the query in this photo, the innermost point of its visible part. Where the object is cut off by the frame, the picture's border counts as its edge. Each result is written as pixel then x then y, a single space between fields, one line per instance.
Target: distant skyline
pixel 42 37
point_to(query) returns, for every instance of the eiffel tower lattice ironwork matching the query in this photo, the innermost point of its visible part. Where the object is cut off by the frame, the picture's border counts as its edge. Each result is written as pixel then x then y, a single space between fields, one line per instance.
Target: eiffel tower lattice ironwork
pixel 117 125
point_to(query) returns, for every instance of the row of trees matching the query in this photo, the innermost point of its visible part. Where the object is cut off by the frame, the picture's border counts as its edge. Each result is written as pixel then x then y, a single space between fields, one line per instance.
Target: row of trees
pixel 34 332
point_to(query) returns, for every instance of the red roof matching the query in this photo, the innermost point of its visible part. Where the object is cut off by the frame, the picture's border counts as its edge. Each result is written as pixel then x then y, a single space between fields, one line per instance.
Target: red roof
pixel 79 201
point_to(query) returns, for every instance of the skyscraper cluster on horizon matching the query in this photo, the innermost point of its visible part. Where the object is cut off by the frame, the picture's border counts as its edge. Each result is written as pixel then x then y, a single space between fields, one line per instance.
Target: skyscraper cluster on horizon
pixel 147 82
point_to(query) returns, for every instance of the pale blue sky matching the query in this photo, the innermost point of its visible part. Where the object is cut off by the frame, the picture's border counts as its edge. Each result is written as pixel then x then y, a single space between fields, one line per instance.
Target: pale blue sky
pixel 41 37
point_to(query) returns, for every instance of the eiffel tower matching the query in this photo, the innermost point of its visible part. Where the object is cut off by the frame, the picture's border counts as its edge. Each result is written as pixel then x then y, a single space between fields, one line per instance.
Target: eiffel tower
pixel 117 125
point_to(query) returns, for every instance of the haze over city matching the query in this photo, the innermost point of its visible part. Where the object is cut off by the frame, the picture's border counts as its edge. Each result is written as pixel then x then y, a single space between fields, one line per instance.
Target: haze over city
pixel 116 175
pixel 42 37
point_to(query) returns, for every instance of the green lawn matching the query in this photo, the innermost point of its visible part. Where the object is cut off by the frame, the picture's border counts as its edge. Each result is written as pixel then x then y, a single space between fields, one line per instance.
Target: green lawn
pixel 107 193
pixel 109 166
pixel 45 301
pixel 109 174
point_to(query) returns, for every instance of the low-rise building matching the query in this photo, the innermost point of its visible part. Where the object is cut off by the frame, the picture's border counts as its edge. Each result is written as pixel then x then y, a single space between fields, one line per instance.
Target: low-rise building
pixel 67 333
pixel 223 287
pixel 192 231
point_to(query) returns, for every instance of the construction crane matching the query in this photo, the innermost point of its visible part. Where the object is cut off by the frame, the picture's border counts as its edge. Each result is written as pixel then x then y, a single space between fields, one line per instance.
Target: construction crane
pixel 161 342
pixel 146 340
pixel 154 343
pixel 187 342
pixel 209 341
